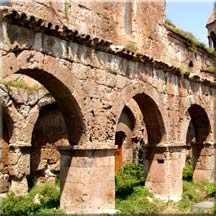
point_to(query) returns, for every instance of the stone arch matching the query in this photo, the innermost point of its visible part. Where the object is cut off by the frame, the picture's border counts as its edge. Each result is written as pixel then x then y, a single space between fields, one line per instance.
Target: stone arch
pixel 201 152
pixel 57 78
pixel 145 96
pixel 59 81
pixel 152 118
pixel 127 117
pixel 200 122
pixel 124 152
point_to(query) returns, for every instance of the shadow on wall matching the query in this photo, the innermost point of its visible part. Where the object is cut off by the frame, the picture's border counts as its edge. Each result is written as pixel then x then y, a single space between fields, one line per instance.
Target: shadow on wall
pixel 6 129
pixel 49 132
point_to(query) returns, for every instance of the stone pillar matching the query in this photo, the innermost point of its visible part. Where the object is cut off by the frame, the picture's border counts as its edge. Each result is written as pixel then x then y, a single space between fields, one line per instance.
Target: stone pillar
pixel 19 168
pixel 163 167
pixel 87 179
pixel 203 162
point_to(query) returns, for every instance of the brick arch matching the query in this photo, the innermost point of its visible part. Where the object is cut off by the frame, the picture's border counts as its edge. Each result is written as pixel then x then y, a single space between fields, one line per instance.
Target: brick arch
pixel 58 80
pixel 145 96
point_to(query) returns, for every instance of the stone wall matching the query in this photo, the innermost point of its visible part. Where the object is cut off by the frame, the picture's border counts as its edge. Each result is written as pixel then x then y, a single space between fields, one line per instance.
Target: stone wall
pixel 189 58
pixel 137 25
pixel 120 22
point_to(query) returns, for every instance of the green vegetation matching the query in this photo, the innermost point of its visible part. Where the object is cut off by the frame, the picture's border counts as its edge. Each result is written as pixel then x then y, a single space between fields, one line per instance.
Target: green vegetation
pixel 192 40
pixel 194 193
pixel 211 69
pixel 66 8
pixel 132 46
pixel 188 170
pixel 133 198
pixel 40 200
pixel 22 85
pixel 130 177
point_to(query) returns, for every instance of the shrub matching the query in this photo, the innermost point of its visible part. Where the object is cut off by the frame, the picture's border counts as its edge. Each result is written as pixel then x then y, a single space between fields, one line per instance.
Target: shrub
pixel 18 205
pixel 188 170
pixel 48 196
pixel 132 175
pixel 210 189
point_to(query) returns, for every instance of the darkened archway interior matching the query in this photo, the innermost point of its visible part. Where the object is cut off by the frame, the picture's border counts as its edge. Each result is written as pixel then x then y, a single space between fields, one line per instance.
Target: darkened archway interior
pixel 152 118
pixel 198 131
pixel 49 132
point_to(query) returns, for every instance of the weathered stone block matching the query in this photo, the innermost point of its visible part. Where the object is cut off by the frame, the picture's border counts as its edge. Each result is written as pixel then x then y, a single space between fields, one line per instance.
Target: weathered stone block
pixel 19 186
pixel 4 185
pixel 84 188
pixel 203 175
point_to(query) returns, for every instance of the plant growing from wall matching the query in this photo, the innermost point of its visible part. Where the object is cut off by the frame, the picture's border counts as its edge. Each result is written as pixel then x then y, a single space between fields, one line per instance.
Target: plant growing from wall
pixel 66 7
pixel 132 46
pixel 192 40
pixel 211 69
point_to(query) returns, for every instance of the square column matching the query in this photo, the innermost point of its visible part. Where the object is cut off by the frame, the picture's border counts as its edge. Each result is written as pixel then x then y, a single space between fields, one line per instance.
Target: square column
pixel 203 157
pixel 87 179
pixel 163 167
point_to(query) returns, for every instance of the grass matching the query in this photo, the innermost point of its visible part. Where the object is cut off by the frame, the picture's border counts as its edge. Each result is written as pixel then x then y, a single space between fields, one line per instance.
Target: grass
pixel 133 198
pixel 48 197
pixel 130 177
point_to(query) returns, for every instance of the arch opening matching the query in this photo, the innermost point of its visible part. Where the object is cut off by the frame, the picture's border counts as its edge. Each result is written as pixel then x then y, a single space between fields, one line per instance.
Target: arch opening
pixel 147 133
pixel 67 104
pixel 199 125
pixel 49 133
pixel 213 40
pixel 70 114
pixel 152 118
pixel 198 132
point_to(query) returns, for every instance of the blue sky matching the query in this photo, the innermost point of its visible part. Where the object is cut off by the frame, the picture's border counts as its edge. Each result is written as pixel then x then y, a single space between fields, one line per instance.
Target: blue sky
pixel 190 16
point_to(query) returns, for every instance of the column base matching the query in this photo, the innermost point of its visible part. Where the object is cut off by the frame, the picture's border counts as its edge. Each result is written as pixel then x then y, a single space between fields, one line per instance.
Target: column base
pixel 93 212
pixel 203 162
pixel 87 180
pixel 163 168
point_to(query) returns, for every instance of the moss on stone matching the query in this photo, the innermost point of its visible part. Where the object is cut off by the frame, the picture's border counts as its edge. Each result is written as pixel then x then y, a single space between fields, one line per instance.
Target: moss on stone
pixel 22 85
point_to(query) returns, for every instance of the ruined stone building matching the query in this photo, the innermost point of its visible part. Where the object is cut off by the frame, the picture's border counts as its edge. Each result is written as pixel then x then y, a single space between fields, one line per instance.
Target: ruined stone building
pixel 85 85
pixel 211 26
